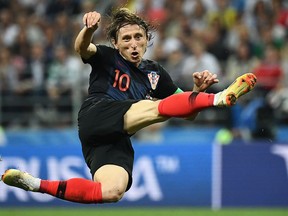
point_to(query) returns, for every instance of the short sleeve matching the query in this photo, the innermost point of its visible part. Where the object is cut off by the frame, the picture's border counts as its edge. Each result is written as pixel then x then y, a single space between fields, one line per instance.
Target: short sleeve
pixel 166 86
pixel 99 56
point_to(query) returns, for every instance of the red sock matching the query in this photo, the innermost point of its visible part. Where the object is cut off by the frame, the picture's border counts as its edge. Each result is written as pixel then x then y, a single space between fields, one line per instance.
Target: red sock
pixel 185 104
pixel 74 190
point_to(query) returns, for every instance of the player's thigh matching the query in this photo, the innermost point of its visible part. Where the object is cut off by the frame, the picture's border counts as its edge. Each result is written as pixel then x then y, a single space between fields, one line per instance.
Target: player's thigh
pixel 114 180
pixel 142 114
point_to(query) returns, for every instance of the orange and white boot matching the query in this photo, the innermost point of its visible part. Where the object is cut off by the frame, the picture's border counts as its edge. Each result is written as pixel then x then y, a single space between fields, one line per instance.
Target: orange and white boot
pixel 242 85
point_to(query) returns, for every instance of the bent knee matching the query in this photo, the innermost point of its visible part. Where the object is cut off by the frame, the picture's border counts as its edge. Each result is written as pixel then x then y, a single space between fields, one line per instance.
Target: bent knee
pixel 112 194
pixel 114 180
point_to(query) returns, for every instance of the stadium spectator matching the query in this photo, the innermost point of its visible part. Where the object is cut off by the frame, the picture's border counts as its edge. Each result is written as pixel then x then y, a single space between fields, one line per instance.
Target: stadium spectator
pixel 57 7
pixel 7 71
pixel 8 27
pixel 197 18
pixel 280 13
pixel 173 49
pixel 241 61
pixel 63 73
pixel 269 71
pixel 198 60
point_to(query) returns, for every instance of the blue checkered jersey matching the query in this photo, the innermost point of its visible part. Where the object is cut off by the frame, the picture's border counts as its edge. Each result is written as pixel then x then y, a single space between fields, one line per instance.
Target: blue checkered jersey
pixel 115 78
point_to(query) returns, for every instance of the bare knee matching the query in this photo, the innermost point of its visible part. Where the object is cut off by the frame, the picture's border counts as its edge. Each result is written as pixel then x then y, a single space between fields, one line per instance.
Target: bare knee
pixel 114 180
pixel 112 193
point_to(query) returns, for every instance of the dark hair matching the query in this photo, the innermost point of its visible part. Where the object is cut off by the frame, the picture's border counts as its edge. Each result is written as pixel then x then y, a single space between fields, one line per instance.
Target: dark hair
pixel 122 17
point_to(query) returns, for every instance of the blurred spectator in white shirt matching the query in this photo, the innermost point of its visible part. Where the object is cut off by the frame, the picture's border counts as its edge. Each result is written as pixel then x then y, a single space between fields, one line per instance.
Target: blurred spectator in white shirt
pixel 198 60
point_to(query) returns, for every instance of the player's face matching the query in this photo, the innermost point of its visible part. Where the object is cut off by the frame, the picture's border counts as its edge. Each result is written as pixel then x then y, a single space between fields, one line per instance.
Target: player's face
pixel 131 43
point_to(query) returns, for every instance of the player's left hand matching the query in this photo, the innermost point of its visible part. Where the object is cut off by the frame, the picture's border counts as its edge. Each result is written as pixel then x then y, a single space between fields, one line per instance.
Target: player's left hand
pixel 203 80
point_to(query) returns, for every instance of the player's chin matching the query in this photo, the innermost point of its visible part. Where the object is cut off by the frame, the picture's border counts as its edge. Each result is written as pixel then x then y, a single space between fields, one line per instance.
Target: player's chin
pixel 135 60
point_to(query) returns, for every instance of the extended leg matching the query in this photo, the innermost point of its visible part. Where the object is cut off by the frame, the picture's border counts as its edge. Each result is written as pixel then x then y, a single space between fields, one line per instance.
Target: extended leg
pixel 185 104
pixel 75 190
pixel 109 185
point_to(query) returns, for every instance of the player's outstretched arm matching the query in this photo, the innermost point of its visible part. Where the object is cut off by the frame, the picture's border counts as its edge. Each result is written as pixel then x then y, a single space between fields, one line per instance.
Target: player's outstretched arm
pixel 83 44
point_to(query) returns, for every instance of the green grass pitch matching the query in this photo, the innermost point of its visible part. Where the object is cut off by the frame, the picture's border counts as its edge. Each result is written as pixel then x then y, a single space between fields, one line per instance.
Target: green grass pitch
pixel 142 212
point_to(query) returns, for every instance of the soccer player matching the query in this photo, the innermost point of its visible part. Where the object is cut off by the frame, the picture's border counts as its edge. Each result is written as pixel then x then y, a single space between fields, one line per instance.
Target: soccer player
pixel 126 94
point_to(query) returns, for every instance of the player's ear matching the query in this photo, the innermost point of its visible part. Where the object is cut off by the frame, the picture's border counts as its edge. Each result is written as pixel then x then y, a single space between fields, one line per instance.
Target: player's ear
pixel 114 43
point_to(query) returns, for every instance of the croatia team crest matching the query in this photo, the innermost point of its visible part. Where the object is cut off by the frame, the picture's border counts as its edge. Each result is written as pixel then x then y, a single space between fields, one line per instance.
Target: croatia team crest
pixel 153 78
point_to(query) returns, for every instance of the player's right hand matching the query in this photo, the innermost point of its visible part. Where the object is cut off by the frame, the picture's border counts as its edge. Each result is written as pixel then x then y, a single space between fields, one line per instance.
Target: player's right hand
pixel 92 19
pixel 203 80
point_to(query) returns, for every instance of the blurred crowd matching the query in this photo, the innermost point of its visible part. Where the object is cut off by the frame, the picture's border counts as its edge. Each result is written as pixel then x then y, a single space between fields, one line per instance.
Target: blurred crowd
pixel 43 81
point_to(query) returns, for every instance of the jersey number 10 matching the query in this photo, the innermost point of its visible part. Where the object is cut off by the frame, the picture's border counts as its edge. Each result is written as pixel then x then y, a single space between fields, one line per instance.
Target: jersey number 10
pixel 122 81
